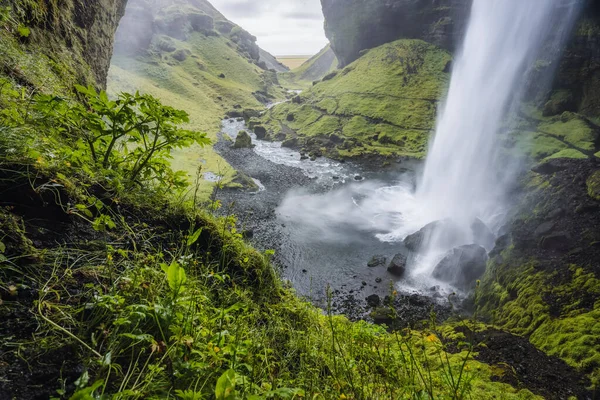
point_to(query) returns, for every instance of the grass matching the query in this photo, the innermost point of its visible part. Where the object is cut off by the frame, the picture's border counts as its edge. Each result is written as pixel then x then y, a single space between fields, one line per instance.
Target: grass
pixel 385 102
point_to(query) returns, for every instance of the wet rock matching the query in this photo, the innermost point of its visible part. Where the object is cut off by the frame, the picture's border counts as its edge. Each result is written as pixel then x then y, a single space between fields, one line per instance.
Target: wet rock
pixel 234 114
pixel 447 234
pixel 243 141
pixel 290 143
pixel 559 241
pixel 249 113
pixel 358 178
pixel 550 167
pixel 544 229
pixel 378 280
pixel 556 214
pixel 291 117
pixel 482 235
pixel 260 131
pixel 373 300
pixel 297 100
pixel 222 75
pixel 462 266
pixel 248 234
pixel 398 265
pixel 502 244
pixel 377 261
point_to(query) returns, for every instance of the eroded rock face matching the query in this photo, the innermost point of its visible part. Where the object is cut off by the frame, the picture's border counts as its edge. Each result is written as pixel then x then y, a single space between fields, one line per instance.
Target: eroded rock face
pixel 85 27
pixel 356 25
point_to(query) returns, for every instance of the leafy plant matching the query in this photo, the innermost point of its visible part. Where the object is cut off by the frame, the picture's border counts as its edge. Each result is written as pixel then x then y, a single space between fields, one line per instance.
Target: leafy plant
pixel 131 137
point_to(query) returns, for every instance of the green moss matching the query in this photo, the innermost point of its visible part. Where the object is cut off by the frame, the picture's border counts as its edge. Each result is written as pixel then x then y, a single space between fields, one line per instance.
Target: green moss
pixel 386 100
pixel 515 295
pixel 593 185
pixel 569 135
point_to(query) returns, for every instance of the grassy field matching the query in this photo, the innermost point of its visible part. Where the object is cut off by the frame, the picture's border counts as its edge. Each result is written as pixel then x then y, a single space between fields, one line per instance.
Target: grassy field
pixel 293 62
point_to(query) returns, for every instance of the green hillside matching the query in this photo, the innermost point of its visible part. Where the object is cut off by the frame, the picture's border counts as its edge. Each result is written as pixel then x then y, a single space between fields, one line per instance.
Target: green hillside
pixel 383 103
pixel 204 70
pixel 314 69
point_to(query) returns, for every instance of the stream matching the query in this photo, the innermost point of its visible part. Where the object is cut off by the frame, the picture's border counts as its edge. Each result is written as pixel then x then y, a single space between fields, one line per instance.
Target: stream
pixel 320 218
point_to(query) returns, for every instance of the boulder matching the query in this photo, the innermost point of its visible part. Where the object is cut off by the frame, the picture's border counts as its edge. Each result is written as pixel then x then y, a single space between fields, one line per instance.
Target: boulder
pixel 558 241
pixel 482 235
pixel 373 300
pixel 243 141
pixel 377 261
pixel 446 232
pixel 181 54
pixel 250 113
pixel 544 229
pixel 290 143
pixel 462 266
pixel 550 167
pixel 398 265
pixel 260 131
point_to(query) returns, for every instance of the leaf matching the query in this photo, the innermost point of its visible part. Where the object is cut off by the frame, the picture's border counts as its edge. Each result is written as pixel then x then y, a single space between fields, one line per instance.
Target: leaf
pixel 194 238
pixel 176 277
pixel 225 389
pixel 87 393
pixel 2 247
pixel 23 31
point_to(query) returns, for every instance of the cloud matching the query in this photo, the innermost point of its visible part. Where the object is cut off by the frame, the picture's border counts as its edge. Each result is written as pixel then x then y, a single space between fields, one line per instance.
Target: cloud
pixel 283 27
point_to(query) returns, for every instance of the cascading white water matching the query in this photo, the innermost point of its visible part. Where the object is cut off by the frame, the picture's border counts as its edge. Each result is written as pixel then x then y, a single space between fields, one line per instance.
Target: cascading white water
pixel 464 178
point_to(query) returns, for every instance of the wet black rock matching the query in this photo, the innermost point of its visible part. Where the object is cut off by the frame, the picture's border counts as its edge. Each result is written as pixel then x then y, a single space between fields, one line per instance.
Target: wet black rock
pixel 358 178
pixel 291 117
pixel 544 229
pixel 373 300
pixel 462 266
pixel 398 265
pixel 260 131
pixel 448 235
pixel 243 141
pixel 377 261
pixel 559 241
pixel 550 167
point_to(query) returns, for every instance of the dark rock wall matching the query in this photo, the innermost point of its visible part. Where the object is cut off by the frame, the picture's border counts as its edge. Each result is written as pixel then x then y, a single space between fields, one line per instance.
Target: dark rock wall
pixel 85 27
pixel 355 25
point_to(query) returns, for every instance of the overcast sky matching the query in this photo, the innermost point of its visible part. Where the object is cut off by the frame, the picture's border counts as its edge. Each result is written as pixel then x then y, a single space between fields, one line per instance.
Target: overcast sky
pixel 283 27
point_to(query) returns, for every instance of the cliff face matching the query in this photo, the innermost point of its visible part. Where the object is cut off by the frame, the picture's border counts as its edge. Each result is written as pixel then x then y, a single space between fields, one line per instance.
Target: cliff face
pixel 79 33
pixel 355 25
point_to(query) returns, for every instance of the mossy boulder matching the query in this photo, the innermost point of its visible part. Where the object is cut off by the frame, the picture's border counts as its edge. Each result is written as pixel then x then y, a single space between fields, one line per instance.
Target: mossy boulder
pixel 243 141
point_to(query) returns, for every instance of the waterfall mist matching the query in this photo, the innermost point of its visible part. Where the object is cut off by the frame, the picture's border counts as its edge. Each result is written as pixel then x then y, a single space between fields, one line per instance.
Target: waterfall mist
pixel 468 176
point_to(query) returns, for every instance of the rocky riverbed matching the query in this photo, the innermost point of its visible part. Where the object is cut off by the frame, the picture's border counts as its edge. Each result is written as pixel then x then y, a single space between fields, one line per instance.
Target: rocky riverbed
pixel 351 264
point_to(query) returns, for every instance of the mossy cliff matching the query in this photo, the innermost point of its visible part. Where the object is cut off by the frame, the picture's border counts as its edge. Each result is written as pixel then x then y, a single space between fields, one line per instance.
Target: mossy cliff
pixel 543 280
pixel 384 103
pixel 356 25
pixel 49 45
pixel 189 55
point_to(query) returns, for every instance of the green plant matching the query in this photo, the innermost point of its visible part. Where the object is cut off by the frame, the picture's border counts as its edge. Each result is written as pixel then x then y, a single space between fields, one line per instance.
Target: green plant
pixel 131 137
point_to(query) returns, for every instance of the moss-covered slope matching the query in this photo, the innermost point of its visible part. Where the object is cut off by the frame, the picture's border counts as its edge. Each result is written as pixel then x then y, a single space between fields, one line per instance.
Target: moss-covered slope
pixel 383 103
pixel 543 280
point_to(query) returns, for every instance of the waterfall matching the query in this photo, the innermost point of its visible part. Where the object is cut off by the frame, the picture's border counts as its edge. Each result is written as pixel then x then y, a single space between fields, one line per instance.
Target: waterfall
pixel 465 178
